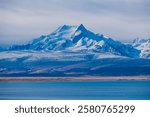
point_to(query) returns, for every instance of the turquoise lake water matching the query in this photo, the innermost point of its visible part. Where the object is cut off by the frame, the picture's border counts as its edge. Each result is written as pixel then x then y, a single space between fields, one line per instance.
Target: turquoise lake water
pixel 96 90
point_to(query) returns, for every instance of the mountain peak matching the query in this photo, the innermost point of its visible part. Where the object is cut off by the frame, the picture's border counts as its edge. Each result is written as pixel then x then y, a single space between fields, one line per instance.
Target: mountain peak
pixel 68 27
pixel 81 27
pixel 65 27
pixel 78 38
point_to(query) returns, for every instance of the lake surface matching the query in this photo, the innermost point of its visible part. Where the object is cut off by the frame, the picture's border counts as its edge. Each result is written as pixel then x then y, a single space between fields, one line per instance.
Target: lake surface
pixel 95 90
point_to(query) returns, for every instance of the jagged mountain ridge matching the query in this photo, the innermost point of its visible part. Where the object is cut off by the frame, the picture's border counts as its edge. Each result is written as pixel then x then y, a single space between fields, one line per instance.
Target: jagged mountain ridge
pixel 73 51
pixel 144 46
pixel 78 38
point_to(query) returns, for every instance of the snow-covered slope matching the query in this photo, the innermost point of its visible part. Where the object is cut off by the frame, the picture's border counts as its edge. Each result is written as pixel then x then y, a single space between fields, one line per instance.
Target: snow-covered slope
pixel 144 46
pixel 50 63
pixel 76 51
pixel 78 38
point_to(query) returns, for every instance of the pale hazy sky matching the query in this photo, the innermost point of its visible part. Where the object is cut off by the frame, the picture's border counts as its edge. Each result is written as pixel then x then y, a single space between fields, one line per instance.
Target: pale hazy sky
pixel 23 20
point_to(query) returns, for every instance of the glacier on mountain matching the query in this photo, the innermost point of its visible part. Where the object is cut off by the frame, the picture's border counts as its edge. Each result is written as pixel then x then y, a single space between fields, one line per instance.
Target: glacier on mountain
pixel 76 51
pixel 144 46
pixel 78 38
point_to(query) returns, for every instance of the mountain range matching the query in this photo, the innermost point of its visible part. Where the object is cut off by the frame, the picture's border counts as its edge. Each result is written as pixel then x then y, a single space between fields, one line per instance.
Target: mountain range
pixel 78 38
pixel 76 51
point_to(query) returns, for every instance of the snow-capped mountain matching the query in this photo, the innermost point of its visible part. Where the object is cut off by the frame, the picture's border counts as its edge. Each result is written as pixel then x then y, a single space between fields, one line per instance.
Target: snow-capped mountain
pixel 75 51
pixel 78 38
pixel 144 46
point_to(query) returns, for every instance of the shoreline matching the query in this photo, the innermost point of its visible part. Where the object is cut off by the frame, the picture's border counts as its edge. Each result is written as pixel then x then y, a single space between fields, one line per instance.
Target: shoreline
pixel 72 79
